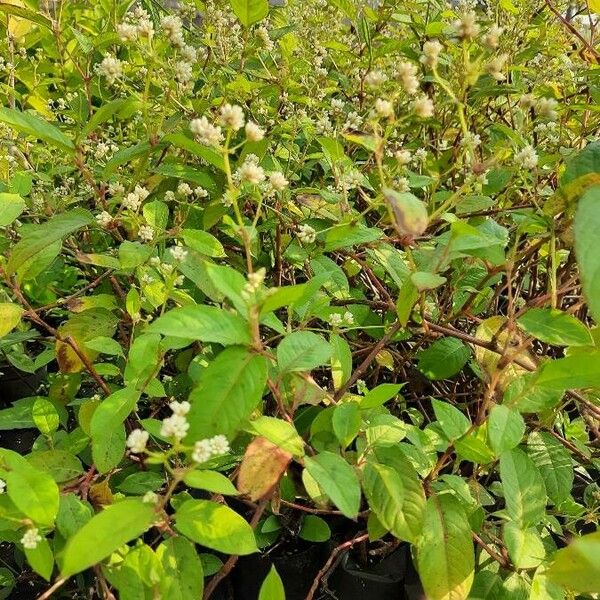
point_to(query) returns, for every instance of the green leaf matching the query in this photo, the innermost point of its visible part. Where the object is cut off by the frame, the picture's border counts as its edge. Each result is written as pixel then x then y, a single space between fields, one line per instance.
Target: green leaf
pixel 443 359
pixel 284 296
pixel 350 234
pixel 505 428
pixel 38 239
pixel 61 465
pixel 32 491
pixel 445 557
pixel 453 423
pixel 44 415
pixel 41 559
pixel 107 430
pixel 555 327
pixel 11 206
pixel 156 214
pixel 346 422
pixel 211 481
pixel 279 432
pixel 525 546
pixel 380 395
pixel 203 242
pixel 587 223
pixel 302 351
pixel 215 526
pixel 203 323
pixel 554 463
pixel 424 281
pixel 384 489
pixel 25 13
pixel 105 345
pixel 229 390
pixel 144 358
pixel 272 586
pixel 73 514
pixel 183 576
pixel 577 567
pixel 341 360
pixel 337 479
pixel 314 529
pixel 407 298
pixel 410 213
pixel 577 371
pixel 104 533
pixel 412 497
pixel 10 317
pixel 107 111
pixel 29 124
pixel 141 482
pixel 526 396
pixel 127 154
pixel 181 140
pixel 523 487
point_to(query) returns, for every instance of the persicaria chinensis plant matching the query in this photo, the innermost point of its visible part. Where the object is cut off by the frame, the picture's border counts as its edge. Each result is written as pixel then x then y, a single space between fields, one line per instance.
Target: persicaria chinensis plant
pixel 297 296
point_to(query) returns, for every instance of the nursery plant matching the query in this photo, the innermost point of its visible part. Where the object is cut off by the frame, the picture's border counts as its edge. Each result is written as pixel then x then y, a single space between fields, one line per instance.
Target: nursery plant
pixel 321 276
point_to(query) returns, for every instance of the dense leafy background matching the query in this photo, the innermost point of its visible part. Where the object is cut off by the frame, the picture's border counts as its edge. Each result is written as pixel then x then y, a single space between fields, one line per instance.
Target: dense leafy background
pixel 278 265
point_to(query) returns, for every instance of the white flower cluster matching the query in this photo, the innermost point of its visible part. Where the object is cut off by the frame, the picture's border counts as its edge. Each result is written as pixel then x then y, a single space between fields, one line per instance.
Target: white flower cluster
pixel 403 157
pixel 134 199
pixel 423 107
pixel 492 38
pixel 205 132
pixel 527 157
pixel 496 65
pixel 253 132
pixel 232 116
pixel 178 253
pixel 407 73
pixel 306 234
pixel 402 185
pixel 137 440
pixel 111 68
pixel 384 108
pixel 375 78
pixel 277 181
pixel 176 426
pixel 546 108
pixel 255 280
pixel 2 486
pixel 335 319
pixel 467 27
pixel 431 53
pixel 250 171
pixel 104 219
pixel 262 33
pixel 146 233
pixel 136 24
pixel 31 538
pixel 208 448
pixel 172 27
pixel 353 121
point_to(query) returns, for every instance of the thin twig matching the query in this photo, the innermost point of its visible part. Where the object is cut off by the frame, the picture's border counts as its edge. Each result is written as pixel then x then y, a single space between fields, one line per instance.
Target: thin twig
pixel 231 562
pixel 327 566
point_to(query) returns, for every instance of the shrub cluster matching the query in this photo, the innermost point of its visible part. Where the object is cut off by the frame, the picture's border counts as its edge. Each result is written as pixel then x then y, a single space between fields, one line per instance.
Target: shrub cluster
pixel 321 274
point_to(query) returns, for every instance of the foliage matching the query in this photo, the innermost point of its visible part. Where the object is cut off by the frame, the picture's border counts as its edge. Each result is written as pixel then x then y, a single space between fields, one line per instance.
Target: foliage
pixel 278 264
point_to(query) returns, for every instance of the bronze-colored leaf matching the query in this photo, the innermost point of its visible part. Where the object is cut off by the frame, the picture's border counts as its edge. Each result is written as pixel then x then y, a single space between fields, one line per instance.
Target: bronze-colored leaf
pixel 262 467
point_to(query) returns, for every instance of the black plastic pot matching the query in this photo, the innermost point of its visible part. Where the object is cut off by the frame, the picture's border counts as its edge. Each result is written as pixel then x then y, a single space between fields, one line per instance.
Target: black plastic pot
pixel 296 562
pixel 14 385
pixel 380 580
